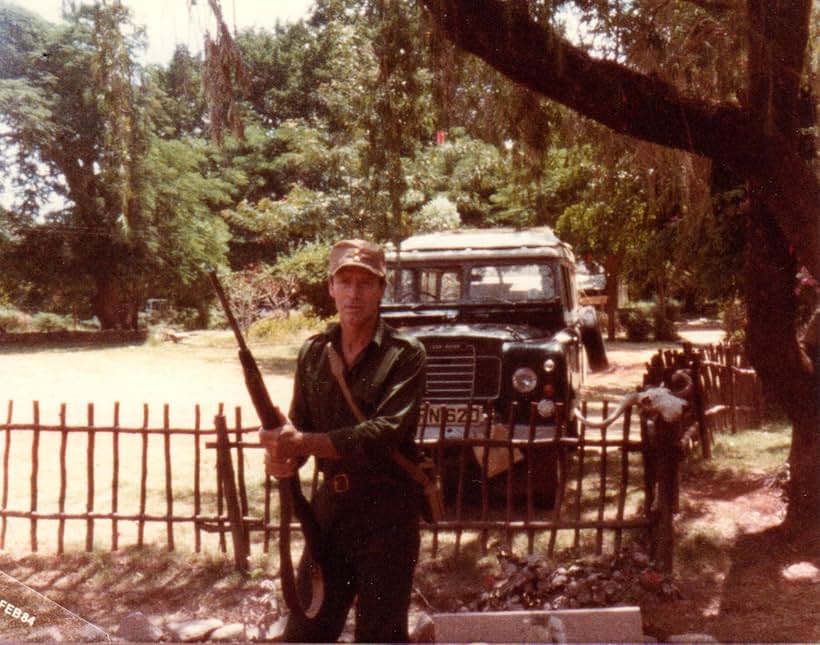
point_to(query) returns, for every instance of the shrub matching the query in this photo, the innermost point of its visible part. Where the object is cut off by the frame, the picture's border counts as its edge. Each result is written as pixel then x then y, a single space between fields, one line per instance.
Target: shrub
pixel 217 318
pixel 733 320
pixel 186 318
pixel 279 329
pixel 49 322
pixel 664 327
pixel 13 320
pixel 637 320
pixel 439 214
pixel 308 265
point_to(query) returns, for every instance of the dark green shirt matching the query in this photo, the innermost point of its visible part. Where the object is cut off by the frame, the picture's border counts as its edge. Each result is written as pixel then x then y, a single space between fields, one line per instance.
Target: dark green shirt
pixel 386 381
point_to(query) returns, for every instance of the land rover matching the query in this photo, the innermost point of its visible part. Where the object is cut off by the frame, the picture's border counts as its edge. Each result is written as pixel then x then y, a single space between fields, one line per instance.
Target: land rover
pixel 498 312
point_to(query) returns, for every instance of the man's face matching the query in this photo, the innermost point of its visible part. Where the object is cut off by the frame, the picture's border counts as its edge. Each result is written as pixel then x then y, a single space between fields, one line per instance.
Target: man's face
pixel 357 293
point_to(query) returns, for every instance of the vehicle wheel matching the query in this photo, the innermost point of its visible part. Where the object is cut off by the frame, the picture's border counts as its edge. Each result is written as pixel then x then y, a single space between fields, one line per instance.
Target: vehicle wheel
pixel 593 340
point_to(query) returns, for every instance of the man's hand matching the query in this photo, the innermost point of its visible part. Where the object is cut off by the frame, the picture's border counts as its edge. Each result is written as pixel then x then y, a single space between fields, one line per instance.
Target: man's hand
pixel 286 448
pixel 277 464
pixel 280 468
pixel 290 443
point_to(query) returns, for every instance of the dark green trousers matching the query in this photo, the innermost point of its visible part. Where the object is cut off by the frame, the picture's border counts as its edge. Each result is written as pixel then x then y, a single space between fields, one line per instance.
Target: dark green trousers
pixel 371 538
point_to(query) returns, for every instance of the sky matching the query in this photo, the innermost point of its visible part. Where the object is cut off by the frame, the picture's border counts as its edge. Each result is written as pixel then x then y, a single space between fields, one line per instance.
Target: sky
pixel 170 22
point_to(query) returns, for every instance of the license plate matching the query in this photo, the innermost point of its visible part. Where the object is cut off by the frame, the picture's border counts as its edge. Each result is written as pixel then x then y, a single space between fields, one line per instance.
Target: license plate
pixel 454 415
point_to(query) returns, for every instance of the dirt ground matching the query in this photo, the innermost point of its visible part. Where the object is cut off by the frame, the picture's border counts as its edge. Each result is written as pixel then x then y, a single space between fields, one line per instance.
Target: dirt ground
pixel 763 588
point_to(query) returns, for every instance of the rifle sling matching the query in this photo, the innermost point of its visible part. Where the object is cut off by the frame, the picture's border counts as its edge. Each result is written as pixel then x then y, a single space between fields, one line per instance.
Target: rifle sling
pixel 292 501
pixel 337 369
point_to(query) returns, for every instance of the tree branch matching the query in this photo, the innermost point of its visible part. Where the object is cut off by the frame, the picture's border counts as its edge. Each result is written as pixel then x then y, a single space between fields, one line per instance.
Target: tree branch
pixel 645 107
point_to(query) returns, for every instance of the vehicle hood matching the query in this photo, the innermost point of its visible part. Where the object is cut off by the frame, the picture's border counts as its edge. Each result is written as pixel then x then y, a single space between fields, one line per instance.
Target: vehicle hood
pixel 483 331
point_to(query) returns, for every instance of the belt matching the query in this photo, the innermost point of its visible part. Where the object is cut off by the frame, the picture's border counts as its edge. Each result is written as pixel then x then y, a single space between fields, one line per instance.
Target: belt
pixel 340 483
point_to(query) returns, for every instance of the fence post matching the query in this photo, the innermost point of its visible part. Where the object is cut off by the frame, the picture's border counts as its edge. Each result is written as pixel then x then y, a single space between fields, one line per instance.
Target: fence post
pixel 6 453
pixel 89 463
pixel 699 404
pixel 225 472
pixel 35 471
pixel 668 455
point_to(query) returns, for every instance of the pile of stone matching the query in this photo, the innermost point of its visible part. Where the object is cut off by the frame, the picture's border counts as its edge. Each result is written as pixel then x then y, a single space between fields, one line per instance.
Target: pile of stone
pixel 533 582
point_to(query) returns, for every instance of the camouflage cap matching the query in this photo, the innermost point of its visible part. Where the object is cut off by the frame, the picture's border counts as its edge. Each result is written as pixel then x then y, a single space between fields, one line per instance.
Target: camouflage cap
pixel 357 253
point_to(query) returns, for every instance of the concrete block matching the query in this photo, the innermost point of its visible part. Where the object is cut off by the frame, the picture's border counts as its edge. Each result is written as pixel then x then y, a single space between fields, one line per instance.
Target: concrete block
pixel 601 625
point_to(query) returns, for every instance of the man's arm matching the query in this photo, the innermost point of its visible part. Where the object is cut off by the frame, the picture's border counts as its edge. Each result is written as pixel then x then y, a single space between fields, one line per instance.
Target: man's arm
pixel 294 443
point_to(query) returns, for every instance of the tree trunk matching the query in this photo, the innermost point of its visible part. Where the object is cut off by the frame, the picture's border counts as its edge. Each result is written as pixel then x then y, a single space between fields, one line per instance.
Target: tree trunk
pixel 612 270
pixel 787 375
pixel 112 307
pixel 777 35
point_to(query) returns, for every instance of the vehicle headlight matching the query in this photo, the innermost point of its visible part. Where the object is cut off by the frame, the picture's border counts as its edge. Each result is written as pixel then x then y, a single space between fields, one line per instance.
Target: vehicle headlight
pixel 546 408
pixel 549 365
pixel 524 380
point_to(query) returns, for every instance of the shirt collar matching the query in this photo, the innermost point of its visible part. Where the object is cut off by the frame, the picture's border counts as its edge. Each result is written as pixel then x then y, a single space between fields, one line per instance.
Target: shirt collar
pixel 335 333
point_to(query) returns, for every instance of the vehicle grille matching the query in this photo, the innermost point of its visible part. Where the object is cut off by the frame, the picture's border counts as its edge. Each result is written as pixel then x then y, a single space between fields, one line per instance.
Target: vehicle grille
pixel 451 375
pixel 457 375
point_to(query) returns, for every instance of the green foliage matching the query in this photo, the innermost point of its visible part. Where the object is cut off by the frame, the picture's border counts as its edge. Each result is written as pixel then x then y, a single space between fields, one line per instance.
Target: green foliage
pixel 640 319
pixel 283 328
pixel 308 267
pixel 342 111
pixel 44 321
pixel 187 318
pixel 438 214
pixel 637 321
pixel 733 320
pixel 139 217
pixel 13 320
pixel 180 97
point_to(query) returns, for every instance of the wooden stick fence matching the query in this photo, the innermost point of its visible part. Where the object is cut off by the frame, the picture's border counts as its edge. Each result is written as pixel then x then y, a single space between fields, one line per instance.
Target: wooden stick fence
pixel 526 500
pixel 37 441
pixel 596 483
pixel 727 392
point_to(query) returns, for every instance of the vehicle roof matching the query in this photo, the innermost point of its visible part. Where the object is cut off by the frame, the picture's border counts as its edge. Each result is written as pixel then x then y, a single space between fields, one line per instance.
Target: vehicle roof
pixel 483 243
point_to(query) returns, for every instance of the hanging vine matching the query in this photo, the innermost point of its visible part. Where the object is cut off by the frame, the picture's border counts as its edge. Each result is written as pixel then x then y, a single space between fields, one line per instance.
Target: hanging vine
pixel 224 78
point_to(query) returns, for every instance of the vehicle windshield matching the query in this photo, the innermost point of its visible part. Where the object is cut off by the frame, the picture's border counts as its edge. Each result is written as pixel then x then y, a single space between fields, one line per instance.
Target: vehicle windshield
pixel 475 283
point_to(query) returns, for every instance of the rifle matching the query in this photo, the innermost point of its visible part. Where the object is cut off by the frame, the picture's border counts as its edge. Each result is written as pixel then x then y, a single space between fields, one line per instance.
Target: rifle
pixel 291 498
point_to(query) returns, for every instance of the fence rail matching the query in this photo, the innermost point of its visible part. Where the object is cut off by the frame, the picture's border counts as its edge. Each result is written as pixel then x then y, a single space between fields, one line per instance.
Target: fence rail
pixel 727 391
pixel 167 476
pixel 74 463
pixel 586 484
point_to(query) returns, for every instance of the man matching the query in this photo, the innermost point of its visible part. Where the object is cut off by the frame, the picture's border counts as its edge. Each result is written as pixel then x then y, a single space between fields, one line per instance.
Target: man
pixel 368 507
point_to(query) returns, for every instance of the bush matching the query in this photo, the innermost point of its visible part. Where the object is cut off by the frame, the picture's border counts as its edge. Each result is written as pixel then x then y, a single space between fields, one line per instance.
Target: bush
pixel 664 326
pixel 308 265
pixel 278 329
pixel 186 318
pixel 13 320
pixel 217 318
pixel 637 320
pixel 733 320
pixel 49 322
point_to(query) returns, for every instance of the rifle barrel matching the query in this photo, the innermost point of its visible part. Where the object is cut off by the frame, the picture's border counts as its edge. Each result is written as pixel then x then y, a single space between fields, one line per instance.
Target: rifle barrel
pixel 226 306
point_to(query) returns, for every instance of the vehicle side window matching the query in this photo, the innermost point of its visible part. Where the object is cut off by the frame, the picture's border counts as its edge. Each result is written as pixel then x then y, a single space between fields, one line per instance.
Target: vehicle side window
pixel 437 285
pixel 547 280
